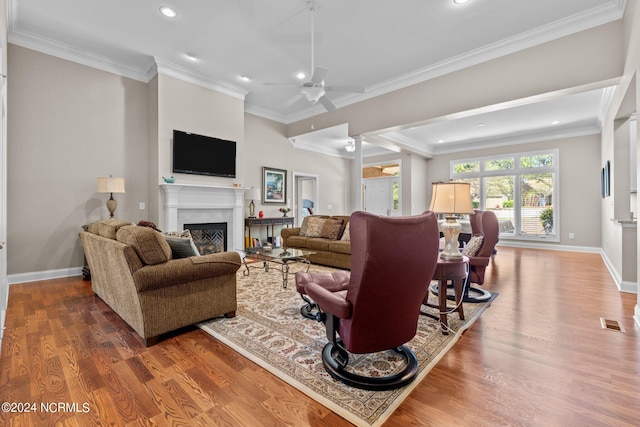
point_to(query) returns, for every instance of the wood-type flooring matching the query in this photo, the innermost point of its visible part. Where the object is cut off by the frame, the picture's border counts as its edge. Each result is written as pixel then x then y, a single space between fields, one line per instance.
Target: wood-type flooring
pixel 537 357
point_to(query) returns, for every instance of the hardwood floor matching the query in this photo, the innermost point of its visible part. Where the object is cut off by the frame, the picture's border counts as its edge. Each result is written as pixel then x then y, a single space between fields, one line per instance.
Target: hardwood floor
pixel 537 357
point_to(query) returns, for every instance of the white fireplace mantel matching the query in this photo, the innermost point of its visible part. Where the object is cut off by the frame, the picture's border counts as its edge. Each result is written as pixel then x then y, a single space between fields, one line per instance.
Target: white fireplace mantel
pixel 206 203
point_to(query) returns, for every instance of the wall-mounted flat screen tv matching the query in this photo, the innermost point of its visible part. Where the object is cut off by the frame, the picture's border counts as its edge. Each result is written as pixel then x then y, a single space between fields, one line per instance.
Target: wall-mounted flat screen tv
pixel 203 155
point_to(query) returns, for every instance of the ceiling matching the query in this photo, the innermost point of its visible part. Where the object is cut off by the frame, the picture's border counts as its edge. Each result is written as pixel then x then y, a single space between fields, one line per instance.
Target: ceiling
pixel 373 43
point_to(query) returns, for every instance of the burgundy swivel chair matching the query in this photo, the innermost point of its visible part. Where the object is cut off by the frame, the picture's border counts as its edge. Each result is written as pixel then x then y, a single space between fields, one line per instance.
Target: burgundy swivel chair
pixel 376 306
pixel 485 224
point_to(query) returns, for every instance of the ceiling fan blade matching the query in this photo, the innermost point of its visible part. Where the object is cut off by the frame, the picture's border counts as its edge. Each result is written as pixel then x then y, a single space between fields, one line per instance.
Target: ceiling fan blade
pixel 318 74
pixel 328 105
pixel 280 84
pixel 345 88
pixel 288 103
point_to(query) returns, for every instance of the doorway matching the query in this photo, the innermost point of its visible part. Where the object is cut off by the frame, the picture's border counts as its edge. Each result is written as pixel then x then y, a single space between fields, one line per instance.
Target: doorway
pixel 382 189
pixel 305 195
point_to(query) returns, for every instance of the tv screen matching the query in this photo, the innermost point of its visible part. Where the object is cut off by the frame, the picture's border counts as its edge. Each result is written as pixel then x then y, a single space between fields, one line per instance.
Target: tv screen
pixel 203 155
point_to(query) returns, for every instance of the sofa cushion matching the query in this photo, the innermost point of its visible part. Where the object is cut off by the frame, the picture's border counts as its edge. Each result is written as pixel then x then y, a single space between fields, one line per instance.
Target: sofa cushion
pixel 332 229
pixel 318 244
pixel 151 246
pixel 297 241
pixel 107 228
pixel 314 227
pixel 340 247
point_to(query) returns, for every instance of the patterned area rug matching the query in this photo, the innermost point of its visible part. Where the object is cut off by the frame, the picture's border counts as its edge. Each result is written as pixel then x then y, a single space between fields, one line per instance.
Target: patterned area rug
pixel 270 331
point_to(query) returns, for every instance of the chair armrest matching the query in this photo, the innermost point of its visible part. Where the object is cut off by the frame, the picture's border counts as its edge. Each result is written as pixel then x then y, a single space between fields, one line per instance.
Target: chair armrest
pixel 478 261
pixel 331 302
pixel 186 270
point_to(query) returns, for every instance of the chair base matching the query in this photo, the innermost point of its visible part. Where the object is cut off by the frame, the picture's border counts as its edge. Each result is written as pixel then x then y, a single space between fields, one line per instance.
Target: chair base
pixel 335 368
pixel 310 310
pixel 469 294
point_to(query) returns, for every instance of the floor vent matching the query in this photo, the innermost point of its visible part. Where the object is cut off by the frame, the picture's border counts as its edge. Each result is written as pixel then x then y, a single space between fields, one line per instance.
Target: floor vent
pixel 612 325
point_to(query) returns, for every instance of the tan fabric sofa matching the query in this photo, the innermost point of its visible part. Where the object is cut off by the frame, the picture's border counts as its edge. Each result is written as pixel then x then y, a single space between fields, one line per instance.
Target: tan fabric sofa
pixel 331 247
pixel 133 271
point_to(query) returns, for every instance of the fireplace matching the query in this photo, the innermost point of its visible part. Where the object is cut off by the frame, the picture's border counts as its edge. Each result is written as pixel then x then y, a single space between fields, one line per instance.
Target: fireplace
pixel 203 204
pixel 209 238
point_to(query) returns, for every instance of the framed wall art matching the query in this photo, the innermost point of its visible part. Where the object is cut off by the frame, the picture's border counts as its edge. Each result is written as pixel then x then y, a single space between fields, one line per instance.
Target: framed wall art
pixel 274 185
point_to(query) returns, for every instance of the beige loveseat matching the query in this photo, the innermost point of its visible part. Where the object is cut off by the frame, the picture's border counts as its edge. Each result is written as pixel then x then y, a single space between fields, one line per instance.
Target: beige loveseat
pixel 133 271
pixel 327 236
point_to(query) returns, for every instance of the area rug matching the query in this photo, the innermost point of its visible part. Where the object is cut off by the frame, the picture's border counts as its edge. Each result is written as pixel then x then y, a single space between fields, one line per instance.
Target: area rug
pixel 270 331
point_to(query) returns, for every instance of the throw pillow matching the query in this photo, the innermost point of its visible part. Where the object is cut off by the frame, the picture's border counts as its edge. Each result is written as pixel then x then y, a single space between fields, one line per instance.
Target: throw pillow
pixel 181 247
pixel 304 226
pixel 314 226
pixel 331 229
pixel 346 235
pixel 182 244
pixel 472 248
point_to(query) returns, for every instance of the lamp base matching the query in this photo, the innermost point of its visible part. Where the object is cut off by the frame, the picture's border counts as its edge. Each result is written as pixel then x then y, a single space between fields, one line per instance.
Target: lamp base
pixel 451 230
pixel 111 206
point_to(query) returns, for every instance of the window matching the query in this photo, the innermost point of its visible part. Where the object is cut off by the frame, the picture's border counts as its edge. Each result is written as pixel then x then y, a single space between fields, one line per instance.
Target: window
pixel 521 189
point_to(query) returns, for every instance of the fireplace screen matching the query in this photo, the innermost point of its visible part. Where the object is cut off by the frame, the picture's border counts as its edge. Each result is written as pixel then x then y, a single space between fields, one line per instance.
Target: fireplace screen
pixel 209 238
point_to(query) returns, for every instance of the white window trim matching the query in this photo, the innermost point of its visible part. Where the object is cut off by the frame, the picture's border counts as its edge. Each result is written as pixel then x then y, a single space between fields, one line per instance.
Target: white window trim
pixel 517 171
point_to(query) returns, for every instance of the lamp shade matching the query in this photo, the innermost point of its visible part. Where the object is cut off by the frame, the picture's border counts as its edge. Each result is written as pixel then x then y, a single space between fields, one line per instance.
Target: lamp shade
pixel 451 198
pixel 252 194
pixel 108 184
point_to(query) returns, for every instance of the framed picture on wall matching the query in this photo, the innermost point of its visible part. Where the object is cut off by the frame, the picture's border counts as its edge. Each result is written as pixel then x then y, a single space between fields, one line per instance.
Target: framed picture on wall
pixel 274 185
pixel 607 179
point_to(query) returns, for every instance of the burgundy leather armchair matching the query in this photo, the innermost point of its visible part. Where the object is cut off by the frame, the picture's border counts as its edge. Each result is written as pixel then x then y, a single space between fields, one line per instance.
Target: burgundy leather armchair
pixel 392 262
pixel 485 224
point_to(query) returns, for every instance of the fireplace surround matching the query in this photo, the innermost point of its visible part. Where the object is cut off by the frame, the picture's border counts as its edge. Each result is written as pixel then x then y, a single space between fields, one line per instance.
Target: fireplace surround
pixel 195 204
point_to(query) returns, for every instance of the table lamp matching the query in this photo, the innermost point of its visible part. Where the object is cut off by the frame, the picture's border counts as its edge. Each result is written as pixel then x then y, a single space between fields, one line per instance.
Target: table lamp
pixel 451 198
pixel 111 185
pixel 252 194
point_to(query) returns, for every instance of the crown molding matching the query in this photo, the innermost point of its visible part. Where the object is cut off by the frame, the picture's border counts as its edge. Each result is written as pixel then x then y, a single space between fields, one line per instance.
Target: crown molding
pixel 70 53
pixel 181 73
pixel 549 134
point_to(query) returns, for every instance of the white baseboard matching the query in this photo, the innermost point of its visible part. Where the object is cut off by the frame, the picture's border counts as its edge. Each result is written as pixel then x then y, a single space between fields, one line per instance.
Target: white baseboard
pixel 623 285
pixel 43 275
pixel 548 246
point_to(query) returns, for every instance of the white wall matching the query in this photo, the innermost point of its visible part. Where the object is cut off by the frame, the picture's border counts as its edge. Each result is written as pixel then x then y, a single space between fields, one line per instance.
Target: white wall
pixel 67 125
pixel 268 146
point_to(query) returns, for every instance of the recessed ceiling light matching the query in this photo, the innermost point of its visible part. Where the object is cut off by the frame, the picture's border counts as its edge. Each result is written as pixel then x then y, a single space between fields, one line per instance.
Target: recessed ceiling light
pixel 300 75
pixel 481 125
pixel 245 78
pixel 440 141
pixel 192 56
pixel 460 1
pixel 555 122
pixel 168 12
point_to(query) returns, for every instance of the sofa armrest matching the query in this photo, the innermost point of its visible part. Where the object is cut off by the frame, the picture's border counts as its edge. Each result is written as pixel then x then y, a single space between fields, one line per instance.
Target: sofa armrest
pixel 285 233
pixel 185 270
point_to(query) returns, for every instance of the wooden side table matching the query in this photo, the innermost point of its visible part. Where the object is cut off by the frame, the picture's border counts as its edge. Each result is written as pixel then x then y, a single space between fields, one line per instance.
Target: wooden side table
pixel 285 221
pixel 454 272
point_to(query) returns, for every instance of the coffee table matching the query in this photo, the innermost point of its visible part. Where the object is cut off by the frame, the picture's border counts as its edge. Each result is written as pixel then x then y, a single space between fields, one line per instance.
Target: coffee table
pixel 279 256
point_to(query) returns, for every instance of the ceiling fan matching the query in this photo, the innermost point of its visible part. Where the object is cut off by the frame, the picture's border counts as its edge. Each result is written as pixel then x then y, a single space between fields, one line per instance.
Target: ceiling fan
pixel 315 90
